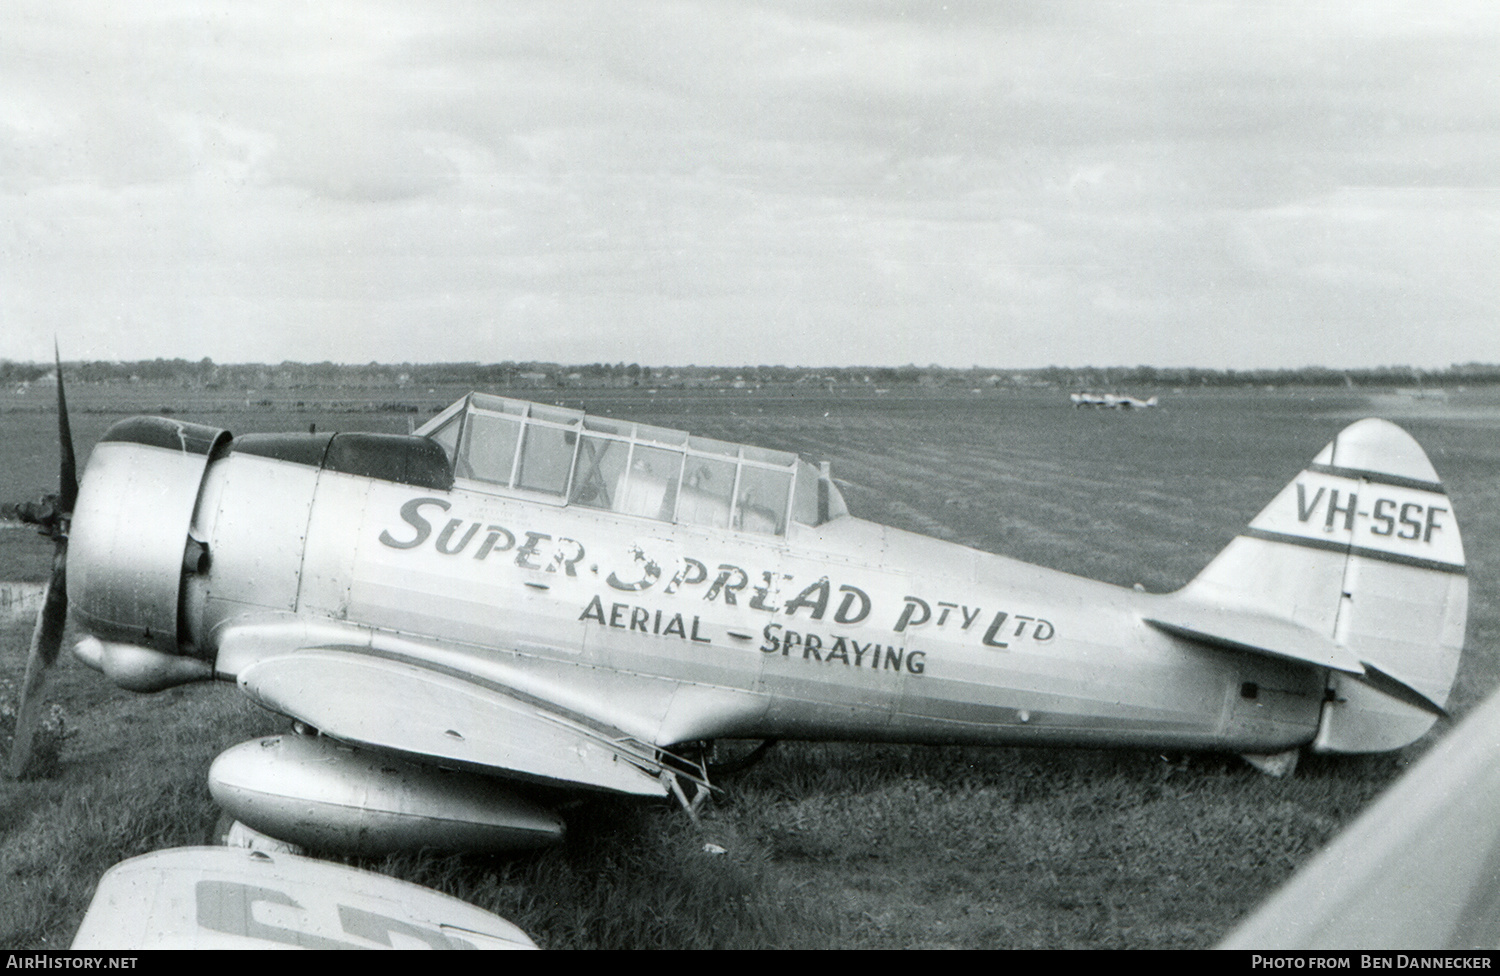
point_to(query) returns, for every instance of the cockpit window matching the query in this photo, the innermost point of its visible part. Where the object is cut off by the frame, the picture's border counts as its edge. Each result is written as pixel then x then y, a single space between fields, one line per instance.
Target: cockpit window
pixel 489 447
pixel 446 434
pixel 707 487
pixel 546 459
pixel 511 443
pixel 602 463
pixel 817 499
pixel 629 468
pixel 760 500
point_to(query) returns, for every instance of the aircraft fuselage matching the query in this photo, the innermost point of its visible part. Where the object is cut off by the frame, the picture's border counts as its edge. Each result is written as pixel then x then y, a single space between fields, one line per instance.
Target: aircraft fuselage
pixel 848 630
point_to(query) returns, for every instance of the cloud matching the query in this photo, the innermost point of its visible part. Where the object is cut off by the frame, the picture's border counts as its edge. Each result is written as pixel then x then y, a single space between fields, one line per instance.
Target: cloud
pixel 1023 182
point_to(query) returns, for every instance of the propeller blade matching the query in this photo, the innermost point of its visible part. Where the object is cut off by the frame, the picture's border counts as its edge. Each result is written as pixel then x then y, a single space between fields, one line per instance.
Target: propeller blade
pixel 67 481
pixel 46 641
pixel 46 637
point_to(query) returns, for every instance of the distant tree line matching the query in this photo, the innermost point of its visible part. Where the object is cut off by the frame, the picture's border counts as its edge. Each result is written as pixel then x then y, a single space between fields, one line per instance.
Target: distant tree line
pixel 206 374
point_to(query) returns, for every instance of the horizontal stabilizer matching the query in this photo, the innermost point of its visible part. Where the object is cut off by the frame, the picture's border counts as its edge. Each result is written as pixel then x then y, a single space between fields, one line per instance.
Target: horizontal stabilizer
pixel 1258 633
pixel 1399 690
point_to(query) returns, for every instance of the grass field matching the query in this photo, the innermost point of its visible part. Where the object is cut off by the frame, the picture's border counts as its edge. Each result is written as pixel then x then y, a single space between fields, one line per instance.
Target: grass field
pixel 827 845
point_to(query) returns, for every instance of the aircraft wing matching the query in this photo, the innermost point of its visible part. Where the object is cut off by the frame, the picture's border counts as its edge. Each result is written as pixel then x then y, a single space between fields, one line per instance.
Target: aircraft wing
pixel 232 898
pixel 1419 870
pixel 426 702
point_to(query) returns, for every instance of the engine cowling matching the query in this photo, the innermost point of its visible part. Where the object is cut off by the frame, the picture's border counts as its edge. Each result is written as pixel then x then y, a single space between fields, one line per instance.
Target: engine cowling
pixel 129 546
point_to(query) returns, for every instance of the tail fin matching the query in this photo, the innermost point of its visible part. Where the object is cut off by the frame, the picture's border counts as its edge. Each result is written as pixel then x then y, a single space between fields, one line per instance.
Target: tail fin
pixel 1362 548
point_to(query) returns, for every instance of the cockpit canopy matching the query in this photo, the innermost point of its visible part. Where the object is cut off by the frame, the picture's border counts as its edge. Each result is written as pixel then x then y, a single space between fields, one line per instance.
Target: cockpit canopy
pixel 565 456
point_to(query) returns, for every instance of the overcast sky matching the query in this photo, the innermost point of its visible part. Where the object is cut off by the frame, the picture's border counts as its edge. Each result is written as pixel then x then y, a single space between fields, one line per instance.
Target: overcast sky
pixel 998 183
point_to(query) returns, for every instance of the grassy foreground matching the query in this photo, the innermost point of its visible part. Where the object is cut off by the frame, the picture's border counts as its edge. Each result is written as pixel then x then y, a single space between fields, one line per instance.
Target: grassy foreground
pixel 826 845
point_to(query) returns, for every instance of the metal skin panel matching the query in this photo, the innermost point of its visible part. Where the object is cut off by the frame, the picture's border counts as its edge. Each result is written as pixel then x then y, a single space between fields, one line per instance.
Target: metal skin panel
pixel 328 796
pixel 230 898
pixel 125 552
pixel 328 559
pixel 254 515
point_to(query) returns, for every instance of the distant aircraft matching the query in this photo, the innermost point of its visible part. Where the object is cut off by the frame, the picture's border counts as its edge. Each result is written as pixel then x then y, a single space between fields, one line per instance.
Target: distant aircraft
pixel 1110 401
pixel 520 593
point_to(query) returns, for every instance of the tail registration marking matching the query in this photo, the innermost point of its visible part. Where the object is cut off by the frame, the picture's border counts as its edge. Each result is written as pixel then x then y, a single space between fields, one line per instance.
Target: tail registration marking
pixel 1397 521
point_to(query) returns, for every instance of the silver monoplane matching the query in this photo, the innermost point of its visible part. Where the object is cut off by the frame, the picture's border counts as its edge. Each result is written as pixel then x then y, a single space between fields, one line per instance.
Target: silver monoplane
pixel 525 594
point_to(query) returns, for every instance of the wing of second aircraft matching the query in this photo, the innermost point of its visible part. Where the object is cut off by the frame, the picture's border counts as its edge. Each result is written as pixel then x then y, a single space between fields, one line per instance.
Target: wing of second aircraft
pixel 1419 870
